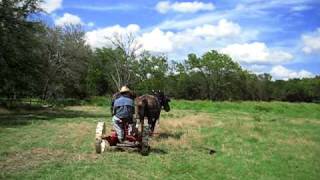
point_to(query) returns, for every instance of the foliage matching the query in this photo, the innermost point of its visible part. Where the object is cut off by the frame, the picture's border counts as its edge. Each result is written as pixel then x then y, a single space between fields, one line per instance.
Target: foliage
pixel 120 59
pixel 151 73
pixel 65 62
pixel 19 48
pixel 41 61
pixel 218 72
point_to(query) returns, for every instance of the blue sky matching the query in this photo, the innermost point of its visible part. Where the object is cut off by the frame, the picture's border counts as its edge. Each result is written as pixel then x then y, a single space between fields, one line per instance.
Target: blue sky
pixel 274 36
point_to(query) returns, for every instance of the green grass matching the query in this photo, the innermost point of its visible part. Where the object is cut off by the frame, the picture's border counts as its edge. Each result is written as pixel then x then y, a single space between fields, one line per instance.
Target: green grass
pixel 252 140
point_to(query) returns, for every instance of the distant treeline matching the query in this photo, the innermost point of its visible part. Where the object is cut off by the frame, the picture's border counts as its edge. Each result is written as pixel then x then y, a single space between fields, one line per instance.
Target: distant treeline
pixel 47 62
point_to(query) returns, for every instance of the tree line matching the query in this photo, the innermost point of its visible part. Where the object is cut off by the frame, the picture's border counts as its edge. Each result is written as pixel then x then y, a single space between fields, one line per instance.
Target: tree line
pixel 41 61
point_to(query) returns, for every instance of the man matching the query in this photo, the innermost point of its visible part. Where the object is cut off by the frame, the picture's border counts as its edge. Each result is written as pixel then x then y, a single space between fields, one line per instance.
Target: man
pixel 122 110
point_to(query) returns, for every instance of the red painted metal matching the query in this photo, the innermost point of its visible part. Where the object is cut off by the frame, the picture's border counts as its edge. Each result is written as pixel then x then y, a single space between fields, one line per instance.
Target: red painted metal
pixel 113 138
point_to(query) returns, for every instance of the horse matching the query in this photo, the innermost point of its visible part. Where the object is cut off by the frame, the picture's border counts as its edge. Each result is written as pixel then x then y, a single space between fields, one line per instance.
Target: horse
pixel 150 106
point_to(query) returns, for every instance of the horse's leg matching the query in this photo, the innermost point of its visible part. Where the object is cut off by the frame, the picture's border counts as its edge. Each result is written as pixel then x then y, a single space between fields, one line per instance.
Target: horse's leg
pixel 142 111
pixel 141 124
pixel 152 123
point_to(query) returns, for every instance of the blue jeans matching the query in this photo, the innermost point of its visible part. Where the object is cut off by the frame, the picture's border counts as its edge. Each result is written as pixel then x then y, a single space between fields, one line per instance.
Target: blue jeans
pixel 118 127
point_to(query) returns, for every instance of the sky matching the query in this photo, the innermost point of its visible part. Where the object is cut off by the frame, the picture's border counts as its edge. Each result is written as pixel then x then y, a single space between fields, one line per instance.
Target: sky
pixel 280 37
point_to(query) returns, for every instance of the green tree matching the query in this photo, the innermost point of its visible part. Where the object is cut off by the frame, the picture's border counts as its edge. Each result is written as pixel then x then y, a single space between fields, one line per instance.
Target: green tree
pixel 66 59
pixel 20 49
pixel 218 71
pixel 121 57
pixel 150 73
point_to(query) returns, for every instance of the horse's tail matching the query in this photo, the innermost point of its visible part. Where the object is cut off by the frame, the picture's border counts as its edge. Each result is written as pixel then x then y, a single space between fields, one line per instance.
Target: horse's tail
pixel 145 107
pixel 142 108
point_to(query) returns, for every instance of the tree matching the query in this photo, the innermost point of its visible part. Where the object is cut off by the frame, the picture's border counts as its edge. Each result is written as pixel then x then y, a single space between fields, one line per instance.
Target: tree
pixel 218 71
pixel 66 62
pixel 19 48
pixel 150 72
pixel 121 56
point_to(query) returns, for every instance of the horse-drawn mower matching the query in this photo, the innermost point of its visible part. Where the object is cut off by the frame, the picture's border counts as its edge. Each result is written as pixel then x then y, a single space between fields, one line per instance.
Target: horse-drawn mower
pixel 138 140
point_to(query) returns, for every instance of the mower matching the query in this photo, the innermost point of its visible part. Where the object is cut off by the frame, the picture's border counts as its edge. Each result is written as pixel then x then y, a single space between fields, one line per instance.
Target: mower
pixel 138 140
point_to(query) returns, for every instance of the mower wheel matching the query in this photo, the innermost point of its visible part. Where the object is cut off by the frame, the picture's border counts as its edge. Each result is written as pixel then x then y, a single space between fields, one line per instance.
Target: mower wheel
pixel 100 146
pixel 100 143
pixel 145 148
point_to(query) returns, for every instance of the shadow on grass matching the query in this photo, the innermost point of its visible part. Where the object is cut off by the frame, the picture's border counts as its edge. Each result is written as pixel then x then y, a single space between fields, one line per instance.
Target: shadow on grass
pixel 27 116
pixel 167 135
pixel 158 151
pixel 136 150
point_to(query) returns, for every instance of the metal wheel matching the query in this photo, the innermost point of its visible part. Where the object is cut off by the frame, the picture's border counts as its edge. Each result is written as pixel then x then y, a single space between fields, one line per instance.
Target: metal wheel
pixel 100 143
pixel 145 148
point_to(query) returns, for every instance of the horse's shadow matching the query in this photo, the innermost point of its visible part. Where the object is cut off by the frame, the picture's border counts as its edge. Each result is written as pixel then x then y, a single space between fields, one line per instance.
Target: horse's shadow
pixel 167 135
pixel 135 150
pixel 158 151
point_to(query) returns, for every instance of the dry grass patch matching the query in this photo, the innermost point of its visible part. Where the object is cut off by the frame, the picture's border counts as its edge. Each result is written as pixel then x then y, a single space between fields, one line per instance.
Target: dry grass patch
pixel 30 159
pixel 191 121
pixel 181 132
pixel 74 134
pixel 88 109
pixel 293 140
pixel 302 121
pixel 35 157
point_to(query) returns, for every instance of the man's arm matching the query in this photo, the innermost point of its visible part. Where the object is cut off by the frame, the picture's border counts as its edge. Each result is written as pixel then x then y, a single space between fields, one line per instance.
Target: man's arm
pixel 112 109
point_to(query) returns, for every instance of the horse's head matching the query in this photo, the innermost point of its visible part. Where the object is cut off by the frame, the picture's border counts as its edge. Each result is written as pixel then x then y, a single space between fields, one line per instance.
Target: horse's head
pixel 164 100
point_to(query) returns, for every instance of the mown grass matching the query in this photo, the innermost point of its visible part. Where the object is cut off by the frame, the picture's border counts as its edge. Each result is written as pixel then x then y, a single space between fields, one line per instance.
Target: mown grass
pixel 251 140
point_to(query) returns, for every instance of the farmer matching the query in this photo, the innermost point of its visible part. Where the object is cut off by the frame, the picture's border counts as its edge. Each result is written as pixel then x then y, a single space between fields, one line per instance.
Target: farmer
pixel 122 111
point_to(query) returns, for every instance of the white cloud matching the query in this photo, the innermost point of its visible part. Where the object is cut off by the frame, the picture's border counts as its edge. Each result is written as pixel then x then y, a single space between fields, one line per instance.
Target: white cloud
pixel 192 38
pixel 224 28
pixel 51 5
pixel 254 5
pixel 311 42
pixel 256 53
pixel 161 41
pixel 106 8
pixel 190 22
pixel 157 41
pixel 280 72
pixel 91 24
pixel 163 6
pixel 67 19
pixel 97 38
pixel 183 7
pixel 257 68
pixel 300 8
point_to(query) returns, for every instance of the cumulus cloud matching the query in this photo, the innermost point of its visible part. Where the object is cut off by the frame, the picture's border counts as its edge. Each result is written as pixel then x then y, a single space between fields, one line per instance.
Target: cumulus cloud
pixel 68 19
pixel 311 42
pixel 183 7
pixel 161 41
pixel 167 41
pixel 222 29
pixel 257 68
pixel 280 72
pixel 97 38
pixel 256 53
pixel 157 41
pixel 51 5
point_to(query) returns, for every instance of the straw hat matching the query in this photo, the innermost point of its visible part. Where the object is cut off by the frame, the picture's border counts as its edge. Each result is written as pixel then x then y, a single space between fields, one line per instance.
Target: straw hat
pixel 124 89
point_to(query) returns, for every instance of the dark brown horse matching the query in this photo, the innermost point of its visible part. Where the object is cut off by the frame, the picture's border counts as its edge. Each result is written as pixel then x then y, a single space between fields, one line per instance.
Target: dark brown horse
pixel 150 106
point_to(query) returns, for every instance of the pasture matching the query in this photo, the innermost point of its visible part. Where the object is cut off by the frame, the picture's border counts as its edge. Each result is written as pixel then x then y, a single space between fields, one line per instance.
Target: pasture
pixel 196 140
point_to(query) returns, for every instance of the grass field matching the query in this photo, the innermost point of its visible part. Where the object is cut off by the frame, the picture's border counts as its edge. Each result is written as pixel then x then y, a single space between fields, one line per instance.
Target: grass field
pixel 252 140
